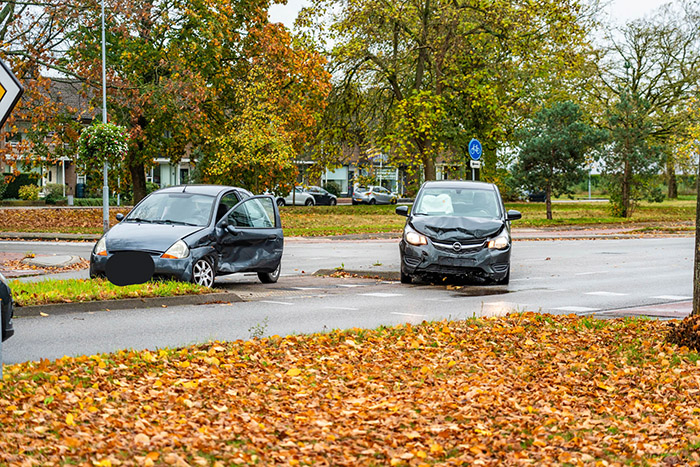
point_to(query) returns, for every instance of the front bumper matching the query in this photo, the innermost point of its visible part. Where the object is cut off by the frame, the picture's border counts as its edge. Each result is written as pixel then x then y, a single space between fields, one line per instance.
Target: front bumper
pixel 179 269
pixel 480 261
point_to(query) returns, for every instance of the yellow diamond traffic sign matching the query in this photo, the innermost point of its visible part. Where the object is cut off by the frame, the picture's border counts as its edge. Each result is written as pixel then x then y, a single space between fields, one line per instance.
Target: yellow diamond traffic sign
pixel 10 92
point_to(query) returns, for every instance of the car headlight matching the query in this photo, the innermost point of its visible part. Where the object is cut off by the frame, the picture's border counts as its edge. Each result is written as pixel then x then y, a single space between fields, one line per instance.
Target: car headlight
pixel 101 247
pixel 178 250
pixel 499 243
pixel 413 237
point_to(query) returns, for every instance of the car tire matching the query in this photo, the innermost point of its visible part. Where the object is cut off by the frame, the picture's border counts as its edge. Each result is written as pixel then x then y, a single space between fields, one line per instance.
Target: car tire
pixel 505 280
pixel 406 278
pixel 309 202
pixel 393 200
pixel 203 272
pixel 280 202
pixel 270 277
pixel 372 201
pixel 334 202
pixel 354 203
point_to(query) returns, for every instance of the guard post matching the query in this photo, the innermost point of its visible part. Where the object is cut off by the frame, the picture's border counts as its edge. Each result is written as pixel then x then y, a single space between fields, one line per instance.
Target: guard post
pixel 10 92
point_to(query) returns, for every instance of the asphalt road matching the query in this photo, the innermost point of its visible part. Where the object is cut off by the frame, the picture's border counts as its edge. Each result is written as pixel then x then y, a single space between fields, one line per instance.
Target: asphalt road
pixel 571 276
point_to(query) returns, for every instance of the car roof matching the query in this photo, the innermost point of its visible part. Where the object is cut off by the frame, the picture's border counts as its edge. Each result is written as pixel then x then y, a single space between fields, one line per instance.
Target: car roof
pixel 211 190
pixel 463 184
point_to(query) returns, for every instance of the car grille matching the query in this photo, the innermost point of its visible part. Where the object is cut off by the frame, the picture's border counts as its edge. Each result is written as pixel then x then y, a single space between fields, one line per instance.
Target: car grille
pixel 464 247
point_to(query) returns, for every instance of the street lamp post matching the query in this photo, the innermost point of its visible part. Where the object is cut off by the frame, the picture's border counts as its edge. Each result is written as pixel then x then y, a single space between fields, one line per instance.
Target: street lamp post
pixel 105 187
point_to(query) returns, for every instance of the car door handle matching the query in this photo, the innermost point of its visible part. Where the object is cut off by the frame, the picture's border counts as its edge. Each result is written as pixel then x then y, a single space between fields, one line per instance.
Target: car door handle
pixel 272 237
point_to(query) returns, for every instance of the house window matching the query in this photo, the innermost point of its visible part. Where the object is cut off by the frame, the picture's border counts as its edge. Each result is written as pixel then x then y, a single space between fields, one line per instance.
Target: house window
pixel 13 137
pixel 184 175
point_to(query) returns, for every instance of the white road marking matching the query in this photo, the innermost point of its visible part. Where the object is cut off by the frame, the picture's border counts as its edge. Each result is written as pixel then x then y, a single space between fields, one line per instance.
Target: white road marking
pixel 528 279
pixel 408 314
pixel 576 309
pixel 276 303
pixel 343 308
pixel 438 299
pixel 350 285
pixel 381 294
pixel 589 273
pixel 607 294
pixel 307 288
pixel 673 297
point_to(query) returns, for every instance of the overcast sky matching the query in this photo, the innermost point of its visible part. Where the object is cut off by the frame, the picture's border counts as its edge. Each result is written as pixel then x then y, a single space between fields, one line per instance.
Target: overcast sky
pixel 618 9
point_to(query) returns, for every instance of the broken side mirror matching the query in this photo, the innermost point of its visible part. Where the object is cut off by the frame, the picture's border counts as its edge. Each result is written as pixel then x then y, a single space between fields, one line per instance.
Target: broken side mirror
pixel 513 215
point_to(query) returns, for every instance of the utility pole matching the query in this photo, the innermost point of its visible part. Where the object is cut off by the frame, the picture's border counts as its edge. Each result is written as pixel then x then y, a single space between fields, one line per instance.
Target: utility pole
pixel 696 275
pixel 105 187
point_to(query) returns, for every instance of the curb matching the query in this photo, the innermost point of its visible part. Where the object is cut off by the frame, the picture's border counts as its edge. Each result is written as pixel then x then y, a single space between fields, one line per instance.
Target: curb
pixel 124 304
pixel 383 275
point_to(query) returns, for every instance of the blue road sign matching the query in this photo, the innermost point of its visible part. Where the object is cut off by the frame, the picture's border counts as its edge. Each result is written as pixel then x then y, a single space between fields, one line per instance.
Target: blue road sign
pixel 475 149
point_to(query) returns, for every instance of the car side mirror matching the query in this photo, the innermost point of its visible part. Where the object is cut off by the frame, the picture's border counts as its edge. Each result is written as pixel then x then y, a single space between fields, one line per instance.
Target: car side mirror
pixel 402 211
pixel 231 229
pixel 512 215
pixel 119 217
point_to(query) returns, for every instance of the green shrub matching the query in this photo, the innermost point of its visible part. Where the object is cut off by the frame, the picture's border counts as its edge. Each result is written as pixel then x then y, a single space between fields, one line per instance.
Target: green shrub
pixel 332 188
pixel 95 201
pixel 29 192
pixel 54 193
pixel 16 181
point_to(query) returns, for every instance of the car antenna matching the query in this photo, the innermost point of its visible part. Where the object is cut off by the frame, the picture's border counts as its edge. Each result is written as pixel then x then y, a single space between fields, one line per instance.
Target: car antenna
pixel 184 187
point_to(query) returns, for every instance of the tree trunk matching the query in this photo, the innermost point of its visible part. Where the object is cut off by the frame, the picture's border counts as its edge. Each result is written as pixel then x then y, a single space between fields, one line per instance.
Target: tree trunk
pixel 626 182
pixel 671 178
pixel 696 275
pixel 548 203
pixel 429 168
pixel 138 181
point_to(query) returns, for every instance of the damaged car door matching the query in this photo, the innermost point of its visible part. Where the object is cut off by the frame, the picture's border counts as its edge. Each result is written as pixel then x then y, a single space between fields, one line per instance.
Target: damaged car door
pixel 249 237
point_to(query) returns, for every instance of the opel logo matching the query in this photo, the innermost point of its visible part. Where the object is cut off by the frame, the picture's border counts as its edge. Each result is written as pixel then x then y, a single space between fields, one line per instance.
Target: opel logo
pixel 456 246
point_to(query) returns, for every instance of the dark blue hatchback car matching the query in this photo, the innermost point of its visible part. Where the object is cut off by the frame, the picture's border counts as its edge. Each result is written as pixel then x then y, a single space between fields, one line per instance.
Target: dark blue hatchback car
pixel 194 233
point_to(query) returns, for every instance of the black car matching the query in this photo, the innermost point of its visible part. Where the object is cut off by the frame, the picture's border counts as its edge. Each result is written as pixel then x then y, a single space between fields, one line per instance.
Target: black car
pixel 6 309
pixel 322 197
pixel 457 228
pixel 194 233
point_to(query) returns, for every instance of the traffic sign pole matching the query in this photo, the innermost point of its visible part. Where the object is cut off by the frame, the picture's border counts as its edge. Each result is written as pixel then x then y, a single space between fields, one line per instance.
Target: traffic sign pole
pixel 475 152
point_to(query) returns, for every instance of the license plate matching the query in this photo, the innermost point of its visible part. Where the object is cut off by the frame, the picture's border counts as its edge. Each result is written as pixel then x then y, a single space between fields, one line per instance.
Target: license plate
pixel 451 261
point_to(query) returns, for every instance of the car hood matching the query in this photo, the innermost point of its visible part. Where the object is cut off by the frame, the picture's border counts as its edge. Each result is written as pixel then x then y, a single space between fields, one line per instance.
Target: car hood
pixel 146 237
pixel 453 228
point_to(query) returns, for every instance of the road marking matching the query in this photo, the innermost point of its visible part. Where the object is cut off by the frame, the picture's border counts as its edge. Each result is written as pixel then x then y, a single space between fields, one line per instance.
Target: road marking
pixel 350 285
pixel 381 294
pixel 576 309
pixel 408 314
pixel 307 288
pixel 343 308
pixel 528 279
pixel 672 297
pixel 276 303
pixel 606 294
pixel 589 273
pixel 438 299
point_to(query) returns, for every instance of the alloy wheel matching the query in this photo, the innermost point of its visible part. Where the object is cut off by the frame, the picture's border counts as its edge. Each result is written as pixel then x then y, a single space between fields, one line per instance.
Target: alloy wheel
pixel 203 273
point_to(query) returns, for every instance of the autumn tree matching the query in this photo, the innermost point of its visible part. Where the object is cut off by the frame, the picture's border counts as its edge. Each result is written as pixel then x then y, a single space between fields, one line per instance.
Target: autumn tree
pixel 647 74
pixel 435 74
pixel 554 149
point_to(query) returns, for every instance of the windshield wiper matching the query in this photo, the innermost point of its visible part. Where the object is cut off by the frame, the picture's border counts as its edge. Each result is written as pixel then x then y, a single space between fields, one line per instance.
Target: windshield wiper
pixel 138 219
pixel 169 221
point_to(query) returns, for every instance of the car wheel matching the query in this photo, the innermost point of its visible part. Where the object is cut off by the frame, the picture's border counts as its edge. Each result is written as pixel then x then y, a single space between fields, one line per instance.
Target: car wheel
pixel 505 280
pixel 280 202
pixel 354 203
pixel 270 277
pixel 406 278
pixel 334 202
pixel 309 202
pixel 203 273
pixel 393 200
pixel 372 201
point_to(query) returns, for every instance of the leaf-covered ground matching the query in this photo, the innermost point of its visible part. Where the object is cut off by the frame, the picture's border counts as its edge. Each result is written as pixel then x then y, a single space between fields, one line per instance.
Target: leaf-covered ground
pixel 520 389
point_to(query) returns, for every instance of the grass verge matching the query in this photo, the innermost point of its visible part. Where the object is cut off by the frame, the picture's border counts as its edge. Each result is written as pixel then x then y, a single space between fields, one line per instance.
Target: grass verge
pixel 86 290
pixel 524 388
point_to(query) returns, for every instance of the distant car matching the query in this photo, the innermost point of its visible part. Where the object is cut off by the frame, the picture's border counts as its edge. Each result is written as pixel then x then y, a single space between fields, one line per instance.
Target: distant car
pixel 536 196
pixel 322 196
pixel 298 197
pixel 6 310
pixel 457 228
pixel 194 233
pixel 373 195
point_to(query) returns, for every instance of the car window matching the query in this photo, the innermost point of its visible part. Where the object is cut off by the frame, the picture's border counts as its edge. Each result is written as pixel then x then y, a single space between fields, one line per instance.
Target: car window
pixel 253 213
pixel 382 190
pixel 228 201
pixel 174 207
pixel 457 202
pixel 362 189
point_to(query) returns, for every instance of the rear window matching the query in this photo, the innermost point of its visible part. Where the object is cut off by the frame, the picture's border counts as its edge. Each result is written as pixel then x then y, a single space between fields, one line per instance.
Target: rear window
pixel 362 189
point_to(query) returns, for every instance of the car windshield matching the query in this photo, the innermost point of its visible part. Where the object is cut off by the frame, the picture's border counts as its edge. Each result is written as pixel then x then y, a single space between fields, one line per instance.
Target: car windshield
pixel 460 202
pixel 362 189
pixel 174 208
